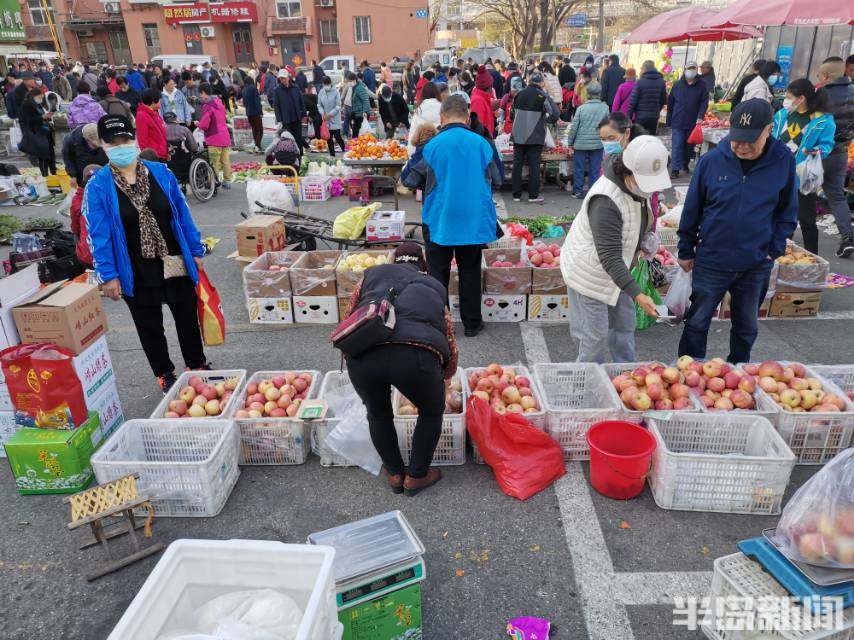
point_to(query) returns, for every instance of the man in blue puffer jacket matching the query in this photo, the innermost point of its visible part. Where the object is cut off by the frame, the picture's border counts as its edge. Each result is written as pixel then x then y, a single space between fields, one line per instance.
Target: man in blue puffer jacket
pixel 740 209
pixel 648 96
pixel 686 106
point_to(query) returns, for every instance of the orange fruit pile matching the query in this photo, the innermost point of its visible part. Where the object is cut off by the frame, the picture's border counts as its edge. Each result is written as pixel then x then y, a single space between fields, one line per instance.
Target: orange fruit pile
pixel 367 147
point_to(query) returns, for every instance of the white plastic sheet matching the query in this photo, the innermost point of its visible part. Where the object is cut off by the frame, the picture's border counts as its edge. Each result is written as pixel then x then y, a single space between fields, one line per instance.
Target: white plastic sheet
pixel 270 192
pixel 678 297
pixel 351 439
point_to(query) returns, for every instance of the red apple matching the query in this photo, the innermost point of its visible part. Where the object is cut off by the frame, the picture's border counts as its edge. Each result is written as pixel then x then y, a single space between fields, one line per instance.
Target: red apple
pixel 731 380
pixel 716 384
pixel 724 404
pixel 671 375
pixel 682 403
pixel 178 406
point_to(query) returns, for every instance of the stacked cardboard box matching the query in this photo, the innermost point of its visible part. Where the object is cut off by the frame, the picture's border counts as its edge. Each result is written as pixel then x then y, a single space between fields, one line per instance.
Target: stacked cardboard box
pixel 548 301
pixel 505 288
pixel 313 284
pixel 259 234
pixel 801 279
pixel 267 285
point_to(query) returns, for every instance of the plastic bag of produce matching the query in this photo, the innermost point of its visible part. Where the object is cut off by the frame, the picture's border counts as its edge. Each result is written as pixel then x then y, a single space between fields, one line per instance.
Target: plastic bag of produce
pixel 810 174
pixel 696 135
pixel 817 525
pixel 524 459
pixel 269 192
pixel 678 297
pixel 351 223
pixel 641 274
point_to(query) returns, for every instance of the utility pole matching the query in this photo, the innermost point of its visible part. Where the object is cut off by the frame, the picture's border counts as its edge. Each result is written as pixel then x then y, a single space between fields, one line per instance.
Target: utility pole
pixel 600 40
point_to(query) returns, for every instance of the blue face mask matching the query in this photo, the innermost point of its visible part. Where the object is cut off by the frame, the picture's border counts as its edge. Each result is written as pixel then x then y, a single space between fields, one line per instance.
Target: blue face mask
pixel 772 79
pixel 123 155
pixel 612 147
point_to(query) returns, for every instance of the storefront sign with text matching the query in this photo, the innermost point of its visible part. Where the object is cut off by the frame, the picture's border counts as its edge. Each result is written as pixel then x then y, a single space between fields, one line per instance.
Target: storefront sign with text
pixel 204 12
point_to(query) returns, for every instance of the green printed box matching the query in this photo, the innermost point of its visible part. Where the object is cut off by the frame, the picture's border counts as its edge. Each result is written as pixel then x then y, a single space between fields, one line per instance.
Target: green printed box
pixel 394 616
pixel 54 460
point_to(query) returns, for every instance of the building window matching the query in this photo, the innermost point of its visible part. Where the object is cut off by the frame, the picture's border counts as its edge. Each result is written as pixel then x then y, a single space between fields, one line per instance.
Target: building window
pixel 362 29
pixel 289 9
pixel 96 52
pixel 328 32
pixel 38 16
pixel 152 39
pixel 327 3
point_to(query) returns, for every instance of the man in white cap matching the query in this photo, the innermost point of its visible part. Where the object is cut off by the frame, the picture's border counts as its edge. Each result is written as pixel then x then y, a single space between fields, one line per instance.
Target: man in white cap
pixel 289 106
pixel 601 246
pixel 686 106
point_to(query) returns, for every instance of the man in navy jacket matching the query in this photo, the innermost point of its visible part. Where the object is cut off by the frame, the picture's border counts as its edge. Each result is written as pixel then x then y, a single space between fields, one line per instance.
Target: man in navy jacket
pixel 686 106
pixel 648 96
pixel 740 209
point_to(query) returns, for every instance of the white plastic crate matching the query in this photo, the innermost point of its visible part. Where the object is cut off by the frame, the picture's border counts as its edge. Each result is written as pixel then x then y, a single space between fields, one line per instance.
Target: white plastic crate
pixel 193 572
pixel 815 438
pixel 745 584
pixel 576 396
pixel 506 242
pixel 451 448
pixel 667 235
pixel 536 418
pixel 315 188
pixel 321 429
pixel 722 463
pixel 842 375
pixel 187 467
pixel 273 440
pixel 210 377
pixel 613 369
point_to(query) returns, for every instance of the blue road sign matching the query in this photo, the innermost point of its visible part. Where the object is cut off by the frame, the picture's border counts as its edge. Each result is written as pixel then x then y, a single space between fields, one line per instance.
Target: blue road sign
pixel 576 20
pixel 422 13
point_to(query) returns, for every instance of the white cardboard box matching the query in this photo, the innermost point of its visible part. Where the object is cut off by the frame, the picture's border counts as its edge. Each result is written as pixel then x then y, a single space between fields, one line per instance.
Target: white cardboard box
pixel 454 304
pixel 545 308
pixel 95 368
pixel 316 309
pixel 385 225
pixel 109 408
pixel 504 308
pixel 270 310
pixel 8 426
pixel 14 290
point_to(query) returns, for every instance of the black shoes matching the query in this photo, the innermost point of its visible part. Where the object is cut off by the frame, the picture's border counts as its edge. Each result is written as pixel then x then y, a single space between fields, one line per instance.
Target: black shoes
pixel 471 332
pixel 846 249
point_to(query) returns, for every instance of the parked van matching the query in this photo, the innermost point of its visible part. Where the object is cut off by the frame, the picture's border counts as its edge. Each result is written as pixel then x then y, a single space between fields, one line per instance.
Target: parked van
pixel 181 60
pixel 336 66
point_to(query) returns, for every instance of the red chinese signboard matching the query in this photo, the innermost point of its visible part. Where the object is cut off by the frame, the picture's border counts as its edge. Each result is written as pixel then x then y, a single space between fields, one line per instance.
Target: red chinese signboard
pixel 204 12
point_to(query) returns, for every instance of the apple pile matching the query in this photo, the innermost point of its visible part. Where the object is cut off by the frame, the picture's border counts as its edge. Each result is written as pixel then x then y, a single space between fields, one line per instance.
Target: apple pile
pixel 653 386
pixel 789 386
pixel 277 397
pixel 505 391
pixel 276 267
pixel 664 257
pixel 718 384
pixel 544 256
pixel 453 400
pixel 200 399
pixel 507 263
pixel 824 538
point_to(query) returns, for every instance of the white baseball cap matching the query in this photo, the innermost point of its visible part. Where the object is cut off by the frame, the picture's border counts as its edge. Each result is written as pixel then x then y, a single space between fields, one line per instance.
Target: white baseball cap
pixel 283 74
pixel 646 157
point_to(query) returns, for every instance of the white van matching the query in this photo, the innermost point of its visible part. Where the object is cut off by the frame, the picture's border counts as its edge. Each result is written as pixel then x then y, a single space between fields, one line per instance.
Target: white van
pixel 181 61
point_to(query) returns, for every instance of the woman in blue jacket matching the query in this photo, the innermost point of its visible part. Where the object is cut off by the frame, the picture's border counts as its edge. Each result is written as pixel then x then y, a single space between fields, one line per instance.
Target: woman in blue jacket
pixel 806 130
pixel 145 247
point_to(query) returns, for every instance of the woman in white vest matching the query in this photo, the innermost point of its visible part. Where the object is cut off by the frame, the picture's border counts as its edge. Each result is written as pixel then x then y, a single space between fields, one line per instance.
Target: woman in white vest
pixel 603 242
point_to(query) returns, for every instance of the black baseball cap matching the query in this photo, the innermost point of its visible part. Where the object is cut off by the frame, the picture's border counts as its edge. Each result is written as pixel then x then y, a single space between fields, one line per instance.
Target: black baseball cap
pixel 748 120
pixel 112 127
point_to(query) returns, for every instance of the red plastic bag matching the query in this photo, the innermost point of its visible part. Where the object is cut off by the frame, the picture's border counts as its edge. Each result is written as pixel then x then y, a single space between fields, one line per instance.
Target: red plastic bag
pixel 696 136
pixel 211 318
pixel 324 131
pixel 524 459
pixel 44 386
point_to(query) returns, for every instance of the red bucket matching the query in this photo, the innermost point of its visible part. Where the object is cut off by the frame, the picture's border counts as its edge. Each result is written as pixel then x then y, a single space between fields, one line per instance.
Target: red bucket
pixel 620 455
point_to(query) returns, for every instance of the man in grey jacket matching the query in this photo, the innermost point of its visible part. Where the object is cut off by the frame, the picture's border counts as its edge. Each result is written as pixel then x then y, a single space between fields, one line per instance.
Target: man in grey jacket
pixel 531 107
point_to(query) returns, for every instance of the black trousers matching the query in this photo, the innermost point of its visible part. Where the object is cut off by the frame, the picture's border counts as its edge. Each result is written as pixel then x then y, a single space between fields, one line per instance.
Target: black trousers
pixel 468 257
pixel 417 374
pixel 296 131
pixel 257 126
pixel 650 124
pixel 806 219
pixel 530 154
pixel 335 136
pixel 355 125
pixel 146 309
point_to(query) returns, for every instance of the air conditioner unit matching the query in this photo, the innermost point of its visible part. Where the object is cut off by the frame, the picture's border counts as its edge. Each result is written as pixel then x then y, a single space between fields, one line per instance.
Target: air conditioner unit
pixel 86 34
pixel 326 3
pixel 207 31
pixel 112 7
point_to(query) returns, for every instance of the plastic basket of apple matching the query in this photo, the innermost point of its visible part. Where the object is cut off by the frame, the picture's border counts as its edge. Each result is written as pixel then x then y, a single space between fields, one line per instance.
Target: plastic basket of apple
pixel 576 396
pixel 642 387
pixel 265 415
pixel 842 375
pixel 320 430
pixel 202 394
pixel 451 448
pixel 721 386
pixel 814 416
pixel 507 388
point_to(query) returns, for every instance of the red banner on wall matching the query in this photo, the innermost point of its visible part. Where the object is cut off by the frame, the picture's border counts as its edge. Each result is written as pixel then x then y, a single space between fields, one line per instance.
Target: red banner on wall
pixel 204 12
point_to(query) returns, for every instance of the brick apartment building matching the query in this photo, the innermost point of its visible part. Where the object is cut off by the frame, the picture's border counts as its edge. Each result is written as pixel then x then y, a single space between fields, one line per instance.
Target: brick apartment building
pixel 232 31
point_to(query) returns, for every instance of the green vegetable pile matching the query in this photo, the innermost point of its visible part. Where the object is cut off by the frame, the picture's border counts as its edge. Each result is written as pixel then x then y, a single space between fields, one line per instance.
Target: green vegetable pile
pixel 41 224
pixel 541 224
pixel 8 226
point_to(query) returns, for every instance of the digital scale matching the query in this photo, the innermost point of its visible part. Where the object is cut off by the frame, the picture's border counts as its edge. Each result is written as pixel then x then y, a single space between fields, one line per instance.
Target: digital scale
pixel 378 574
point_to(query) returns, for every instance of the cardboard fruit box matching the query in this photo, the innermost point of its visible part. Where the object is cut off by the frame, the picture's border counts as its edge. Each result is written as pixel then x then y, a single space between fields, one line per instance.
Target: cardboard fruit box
pixel 54 461
pixel 506 280
pixel 386 226
pixel 260 233
pixel 799 270
pixel 725 310
pixel 790 304
pixel 314 274
pixel 259 281
pixel 347 280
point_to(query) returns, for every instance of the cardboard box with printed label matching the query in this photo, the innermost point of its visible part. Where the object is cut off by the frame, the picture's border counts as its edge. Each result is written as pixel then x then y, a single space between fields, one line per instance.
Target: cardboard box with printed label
pixel 386 226
pixel 267 276
pixel 314 274
pixel 270 310
pixel 95 368
pixel 544 308
pixel 454 304
pixel 316 309
pixel 260 233
pixel 504 308
pixel 54 461
pixel 454 282
pixel 342 307
pixel 108 406
pixel 8 427
pixel 795 305
pixel 15 289
pixel 69 315
pixel 725 312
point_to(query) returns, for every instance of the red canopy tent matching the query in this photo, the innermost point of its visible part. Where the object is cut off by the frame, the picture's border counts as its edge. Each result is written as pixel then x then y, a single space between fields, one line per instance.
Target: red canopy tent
pixel 796 13
pixel 687 24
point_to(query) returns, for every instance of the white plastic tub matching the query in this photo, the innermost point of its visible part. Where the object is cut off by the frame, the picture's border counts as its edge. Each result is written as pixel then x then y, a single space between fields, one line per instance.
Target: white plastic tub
pixel 187 467
pixel 193 572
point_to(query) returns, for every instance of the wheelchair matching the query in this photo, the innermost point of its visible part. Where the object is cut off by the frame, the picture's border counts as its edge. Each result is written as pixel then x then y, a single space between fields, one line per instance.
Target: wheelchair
pixel 193 170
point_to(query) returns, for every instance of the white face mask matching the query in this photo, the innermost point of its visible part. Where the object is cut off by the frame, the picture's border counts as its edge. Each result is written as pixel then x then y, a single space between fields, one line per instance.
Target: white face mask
pixel 690 74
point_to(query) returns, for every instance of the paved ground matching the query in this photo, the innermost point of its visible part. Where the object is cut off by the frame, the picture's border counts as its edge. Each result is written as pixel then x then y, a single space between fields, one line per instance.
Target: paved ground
pixel 598 568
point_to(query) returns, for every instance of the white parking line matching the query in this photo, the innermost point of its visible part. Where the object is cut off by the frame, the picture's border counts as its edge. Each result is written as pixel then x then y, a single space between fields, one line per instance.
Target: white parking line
pixel 605 594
